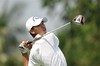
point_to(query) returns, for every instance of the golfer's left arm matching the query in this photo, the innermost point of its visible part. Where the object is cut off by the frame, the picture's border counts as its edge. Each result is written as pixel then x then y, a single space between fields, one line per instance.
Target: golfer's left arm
pixel 23 50
pixel 26 59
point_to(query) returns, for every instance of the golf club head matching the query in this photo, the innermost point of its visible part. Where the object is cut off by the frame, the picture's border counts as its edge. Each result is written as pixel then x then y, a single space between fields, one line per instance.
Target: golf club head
pixel 80 20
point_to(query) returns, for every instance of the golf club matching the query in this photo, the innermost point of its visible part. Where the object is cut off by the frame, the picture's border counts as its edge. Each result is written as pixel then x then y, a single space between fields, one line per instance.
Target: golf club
pixel 77 20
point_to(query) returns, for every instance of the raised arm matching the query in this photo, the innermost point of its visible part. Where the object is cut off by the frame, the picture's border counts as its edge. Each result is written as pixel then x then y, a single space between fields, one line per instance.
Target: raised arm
pixel 23 50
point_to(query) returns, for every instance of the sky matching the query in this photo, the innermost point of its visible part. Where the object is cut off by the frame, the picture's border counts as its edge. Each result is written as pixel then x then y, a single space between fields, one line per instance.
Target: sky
pixel 34 8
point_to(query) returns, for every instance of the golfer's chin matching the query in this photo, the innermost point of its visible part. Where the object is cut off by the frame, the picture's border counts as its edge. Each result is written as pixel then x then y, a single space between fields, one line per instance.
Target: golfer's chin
pixel 45 32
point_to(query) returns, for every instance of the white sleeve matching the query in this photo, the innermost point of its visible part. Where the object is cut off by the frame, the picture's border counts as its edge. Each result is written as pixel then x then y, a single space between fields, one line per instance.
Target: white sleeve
pixel 34 58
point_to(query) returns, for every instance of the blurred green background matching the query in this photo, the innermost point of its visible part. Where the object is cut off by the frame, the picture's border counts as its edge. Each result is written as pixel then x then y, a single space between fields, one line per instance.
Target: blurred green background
pixel 80 44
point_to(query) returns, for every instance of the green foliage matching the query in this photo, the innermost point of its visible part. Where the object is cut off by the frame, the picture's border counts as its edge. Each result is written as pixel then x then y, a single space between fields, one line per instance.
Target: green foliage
pixel 8 41
pixel 49 3
pixel 81 44
pixel 2 21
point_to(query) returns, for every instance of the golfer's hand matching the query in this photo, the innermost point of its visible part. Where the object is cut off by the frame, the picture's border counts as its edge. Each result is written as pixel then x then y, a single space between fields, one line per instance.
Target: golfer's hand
pixel 24 45
pixel 28 44
pixel 22 48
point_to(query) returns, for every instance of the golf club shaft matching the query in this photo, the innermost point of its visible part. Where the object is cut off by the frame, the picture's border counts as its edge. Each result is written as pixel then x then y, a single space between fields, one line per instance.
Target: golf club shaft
pixel 59 27
pixel 51 31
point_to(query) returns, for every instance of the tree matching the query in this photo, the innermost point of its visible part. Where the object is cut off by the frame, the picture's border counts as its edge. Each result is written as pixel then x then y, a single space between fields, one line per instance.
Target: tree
pixel 81 44
pixel 8 41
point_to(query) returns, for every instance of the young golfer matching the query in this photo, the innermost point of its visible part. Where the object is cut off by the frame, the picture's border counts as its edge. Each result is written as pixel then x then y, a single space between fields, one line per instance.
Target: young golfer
pixel 45 50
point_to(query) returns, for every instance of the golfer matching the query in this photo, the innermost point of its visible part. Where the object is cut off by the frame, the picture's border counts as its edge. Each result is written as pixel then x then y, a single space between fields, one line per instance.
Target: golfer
pixel 45 50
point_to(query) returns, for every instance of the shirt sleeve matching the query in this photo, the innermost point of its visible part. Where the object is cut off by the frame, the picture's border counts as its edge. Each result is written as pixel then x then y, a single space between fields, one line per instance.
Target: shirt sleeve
pixel 34 57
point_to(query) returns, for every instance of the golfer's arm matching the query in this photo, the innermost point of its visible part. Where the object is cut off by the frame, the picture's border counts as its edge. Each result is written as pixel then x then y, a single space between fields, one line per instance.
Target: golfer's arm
pixel 25 58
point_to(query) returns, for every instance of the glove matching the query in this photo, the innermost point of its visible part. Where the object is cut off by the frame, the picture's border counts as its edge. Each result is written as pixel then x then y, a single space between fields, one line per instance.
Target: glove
pixel 22 48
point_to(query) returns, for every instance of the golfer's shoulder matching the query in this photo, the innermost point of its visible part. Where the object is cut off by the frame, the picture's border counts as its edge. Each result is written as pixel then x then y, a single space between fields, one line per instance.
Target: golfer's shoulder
pixel 38 42
pixel 43 39
pixel 49 35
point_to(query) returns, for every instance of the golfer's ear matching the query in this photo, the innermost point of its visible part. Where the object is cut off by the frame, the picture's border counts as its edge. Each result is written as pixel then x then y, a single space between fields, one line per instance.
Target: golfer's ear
pixel 32 31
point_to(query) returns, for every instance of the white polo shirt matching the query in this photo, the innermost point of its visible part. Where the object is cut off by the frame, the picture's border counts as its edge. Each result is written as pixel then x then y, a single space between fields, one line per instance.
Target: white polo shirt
pixel 45 52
